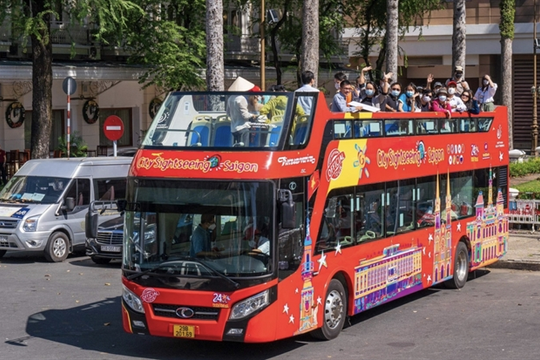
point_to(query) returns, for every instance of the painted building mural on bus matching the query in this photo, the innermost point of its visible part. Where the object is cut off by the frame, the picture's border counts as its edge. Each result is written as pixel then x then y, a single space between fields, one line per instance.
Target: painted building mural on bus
pixel 442 246
pixel 488 233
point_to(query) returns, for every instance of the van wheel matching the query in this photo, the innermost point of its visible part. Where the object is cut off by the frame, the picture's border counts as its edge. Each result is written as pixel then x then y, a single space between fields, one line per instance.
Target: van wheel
pixel 461 268
pixel 335 312
pixel 57 248
pixel 100 261
pixel 2 253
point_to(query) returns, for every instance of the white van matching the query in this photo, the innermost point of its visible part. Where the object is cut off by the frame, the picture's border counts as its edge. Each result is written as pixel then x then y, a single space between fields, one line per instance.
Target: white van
pixel 43 207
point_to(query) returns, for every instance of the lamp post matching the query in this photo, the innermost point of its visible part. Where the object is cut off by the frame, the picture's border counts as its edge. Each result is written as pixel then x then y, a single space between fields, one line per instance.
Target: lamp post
pixel 534 91
pixel 263 57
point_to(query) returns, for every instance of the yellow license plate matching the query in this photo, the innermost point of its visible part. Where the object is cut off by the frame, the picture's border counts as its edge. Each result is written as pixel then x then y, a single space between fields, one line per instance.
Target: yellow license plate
pixel 184 331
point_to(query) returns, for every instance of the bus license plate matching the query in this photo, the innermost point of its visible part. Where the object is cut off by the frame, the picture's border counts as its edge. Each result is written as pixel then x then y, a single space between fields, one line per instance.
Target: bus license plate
pixel 111 248
pixel 184 331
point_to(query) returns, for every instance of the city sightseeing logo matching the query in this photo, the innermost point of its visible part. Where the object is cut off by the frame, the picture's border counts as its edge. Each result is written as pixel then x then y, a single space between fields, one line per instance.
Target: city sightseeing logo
pixel 415 156
pixel 210 163
pixel 334 164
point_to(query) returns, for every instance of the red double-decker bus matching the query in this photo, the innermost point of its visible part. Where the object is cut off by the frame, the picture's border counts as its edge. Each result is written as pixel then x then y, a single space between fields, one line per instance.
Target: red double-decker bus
pixel 307 218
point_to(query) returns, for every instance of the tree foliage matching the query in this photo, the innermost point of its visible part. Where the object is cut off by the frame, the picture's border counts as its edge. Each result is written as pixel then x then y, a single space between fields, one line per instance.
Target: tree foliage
pixel 369 18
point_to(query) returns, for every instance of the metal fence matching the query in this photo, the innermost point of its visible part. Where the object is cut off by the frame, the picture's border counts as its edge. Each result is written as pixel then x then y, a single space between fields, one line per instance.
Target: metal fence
pixel 524 212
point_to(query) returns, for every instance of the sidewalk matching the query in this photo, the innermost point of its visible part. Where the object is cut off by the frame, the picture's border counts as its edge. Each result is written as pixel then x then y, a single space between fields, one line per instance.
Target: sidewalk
pixel 523 251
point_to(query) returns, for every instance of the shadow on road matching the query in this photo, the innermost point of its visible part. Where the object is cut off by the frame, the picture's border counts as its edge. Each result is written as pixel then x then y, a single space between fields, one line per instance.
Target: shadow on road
pixel 98 327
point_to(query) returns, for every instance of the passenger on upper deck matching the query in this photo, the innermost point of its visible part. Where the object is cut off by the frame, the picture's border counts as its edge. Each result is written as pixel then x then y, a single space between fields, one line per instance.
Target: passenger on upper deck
pixel 392 99
pixel 441 104
pixel 408 99
pixel 470 103
pixel 308 80
pixel 453 99
pixel 340 104
pixel 461 84
pixel 276 107
pixel 238 112
pixel 485 94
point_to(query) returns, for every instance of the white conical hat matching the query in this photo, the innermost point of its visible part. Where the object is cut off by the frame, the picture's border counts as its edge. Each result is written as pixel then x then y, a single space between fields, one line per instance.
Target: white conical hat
pixel 241 84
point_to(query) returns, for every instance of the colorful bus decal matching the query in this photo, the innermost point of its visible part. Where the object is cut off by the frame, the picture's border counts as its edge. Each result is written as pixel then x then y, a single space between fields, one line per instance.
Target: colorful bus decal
pixel 489 232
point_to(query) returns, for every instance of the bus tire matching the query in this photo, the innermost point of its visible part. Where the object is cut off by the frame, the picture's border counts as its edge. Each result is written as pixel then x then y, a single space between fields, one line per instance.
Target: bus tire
pixel 461 267
pixel 334 312
pixel 2 253
pixel 57 248
pixel 100 261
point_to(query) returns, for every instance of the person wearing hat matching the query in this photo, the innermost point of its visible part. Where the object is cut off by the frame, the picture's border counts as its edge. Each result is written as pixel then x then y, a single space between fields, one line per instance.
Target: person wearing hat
pixel 453 99
pixel 461 84
pixel 436 87
pixel 238 111
pixel 440 104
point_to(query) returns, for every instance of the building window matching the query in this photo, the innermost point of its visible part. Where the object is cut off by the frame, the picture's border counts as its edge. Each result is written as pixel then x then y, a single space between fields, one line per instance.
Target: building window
pixel 57 129
pixel 126 116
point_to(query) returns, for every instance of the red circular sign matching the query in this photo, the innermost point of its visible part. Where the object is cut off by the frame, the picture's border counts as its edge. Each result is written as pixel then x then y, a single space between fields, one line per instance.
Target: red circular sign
pixel 113 127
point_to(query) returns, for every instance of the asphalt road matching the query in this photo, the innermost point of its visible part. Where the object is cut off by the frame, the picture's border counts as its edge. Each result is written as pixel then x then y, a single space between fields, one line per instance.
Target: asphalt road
pixel 71 310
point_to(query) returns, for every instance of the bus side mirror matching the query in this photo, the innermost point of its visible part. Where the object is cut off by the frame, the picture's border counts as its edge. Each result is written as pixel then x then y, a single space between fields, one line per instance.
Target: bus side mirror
pixel 91 224
pixel 288 214
pixel 121 205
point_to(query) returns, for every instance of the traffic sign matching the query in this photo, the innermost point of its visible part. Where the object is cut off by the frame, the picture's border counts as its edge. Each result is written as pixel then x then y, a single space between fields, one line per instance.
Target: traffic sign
pixel 69 85
pixel 113 127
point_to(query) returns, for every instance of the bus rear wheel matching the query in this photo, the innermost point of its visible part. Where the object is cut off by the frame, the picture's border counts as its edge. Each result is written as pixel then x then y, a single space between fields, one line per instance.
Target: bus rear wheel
pixel 461 268
pixel 335 312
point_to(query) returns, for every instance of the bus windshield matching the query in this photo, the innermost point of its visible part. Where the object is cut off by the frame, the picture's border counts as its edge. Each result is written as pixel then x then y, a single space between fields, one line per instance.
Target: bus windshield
pixel 202 229
pixel 231 119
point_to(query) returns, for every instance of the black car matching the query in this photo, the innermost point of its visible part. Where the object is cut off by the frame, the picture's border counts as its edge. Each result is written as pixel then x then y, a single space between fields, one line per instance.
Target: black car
pixel 108 244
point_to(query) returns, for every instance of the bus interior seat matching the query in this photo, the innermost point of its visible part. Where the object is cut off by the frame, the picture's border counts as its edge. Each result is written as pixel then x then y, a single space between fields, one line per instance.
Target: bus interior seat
pixel 199 133
pixel 273 137
pixel 222 136
pixel 299 137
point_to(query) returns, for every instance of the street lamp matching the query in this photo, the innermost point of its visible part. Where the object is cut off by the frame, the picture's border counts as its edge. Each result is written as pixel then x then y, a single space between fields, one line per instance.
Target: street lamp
pixel 533 92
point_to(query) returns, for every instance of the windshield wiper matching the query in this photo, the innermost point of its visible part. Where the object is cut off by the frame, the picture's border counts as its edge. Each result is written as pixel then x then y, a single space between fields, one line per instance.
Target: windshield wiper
pixel 201 262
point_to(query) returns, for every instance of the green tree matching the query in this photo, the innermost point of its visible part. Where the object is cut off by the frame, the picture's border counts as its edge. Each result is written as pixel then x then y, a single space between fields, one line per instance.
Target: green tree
pixel 506 26
pixel 31 20
pixel 169 38
pixel 369 18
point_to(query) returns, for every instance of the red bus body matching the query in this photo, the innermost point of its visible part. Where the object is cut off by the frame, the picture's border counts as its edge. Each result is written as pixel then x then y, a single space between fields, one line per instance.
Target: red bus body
pixel 371 271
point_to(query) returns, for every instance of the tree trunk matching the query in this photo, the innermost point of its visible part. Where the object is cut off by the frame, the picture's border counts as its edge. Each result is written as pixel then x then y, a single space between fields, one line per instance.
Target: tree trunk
pixel 392 37
pixel 41 86
pixel 215 68
pixel 310 38
pixel 459 47
pixel 506 86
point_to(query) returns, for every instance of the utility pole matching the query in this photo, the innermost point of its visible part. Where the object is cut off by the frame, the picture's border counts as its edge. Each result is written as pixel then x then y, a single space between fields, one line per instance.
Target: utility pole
pixel 534 91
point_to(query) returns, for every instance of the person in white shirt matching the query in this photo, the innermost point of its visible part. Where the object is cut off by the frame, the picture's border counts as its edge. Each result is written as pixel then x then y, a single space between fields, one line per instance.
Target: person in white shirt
pixel 260 243
pixel 485 94
pixel 455 101
pixel 306 102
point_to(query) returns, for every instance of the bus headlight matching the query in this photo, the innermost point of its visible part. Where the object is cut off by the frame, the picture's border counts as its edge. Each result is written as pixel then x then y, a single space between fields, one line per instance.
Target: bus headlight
pixel 250 305
pixel 132 300
pixel 30 224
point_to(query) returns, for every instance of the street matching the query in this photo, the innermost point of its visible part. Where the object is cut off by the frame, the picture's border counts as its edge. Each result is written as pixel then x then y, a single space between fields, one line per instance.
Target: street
pixel 71 310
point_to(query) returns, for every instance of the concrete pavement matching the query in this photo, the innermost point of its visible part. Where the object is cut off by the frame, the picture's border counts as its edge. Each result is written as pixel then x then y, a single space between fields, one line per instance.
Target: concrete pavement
pixel 523 251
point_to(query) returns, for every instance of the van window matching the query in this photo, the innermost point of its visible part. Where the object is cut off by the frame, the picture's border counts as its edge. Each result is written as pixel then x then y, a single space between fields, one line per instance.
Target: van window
pixel 80 191
pixel 110 189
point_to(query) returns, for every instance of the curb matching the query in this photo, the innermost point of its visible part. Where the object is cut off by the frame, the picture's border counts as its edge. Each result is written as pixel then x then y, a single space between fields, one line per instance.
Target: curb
pixel 516 265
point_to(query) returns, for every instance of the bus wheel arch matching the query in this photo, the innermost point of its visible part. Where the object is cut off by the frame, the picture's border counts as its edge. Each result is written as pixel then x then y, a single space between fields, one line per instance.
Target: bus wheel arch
pixel 461 265
pixel 334 308
pixel 58 247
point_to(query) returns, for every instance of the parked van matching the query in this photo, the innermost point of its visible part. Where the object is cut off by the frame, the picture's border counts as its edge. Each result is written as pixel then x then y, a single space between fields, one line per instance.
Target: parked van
pixel 43 207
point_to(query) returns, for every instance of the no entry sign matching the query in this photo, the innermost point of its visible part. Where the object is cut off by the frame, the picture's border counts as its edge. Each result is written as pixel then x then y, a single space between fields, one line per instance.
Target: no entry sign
pixel 113 128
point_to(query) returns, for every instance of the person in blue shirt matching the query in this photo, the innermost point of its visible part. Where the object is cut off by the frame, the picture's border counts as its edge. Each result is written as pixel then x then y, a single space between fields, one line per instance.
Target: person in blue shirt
pixel 339 104
pixel 201 237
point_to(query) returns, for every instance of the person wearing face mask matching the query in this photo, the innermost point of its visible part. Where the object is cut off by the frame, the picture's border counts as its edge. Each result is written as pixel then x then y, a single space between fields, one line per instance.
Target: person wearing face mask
pixel 392 99
pixel 201 237
pixel 453 99
pixel 485 94
pixel 440 104
pixel 425 101
pixel 259 243
pixel 458 77
pixel 407 100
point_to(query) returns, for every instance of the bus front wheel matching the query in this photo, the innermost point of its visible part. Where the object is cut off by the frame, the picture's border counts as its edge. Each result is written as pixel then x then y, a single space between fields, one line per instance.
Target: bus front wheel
pixel 461 267
pixel 335 312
